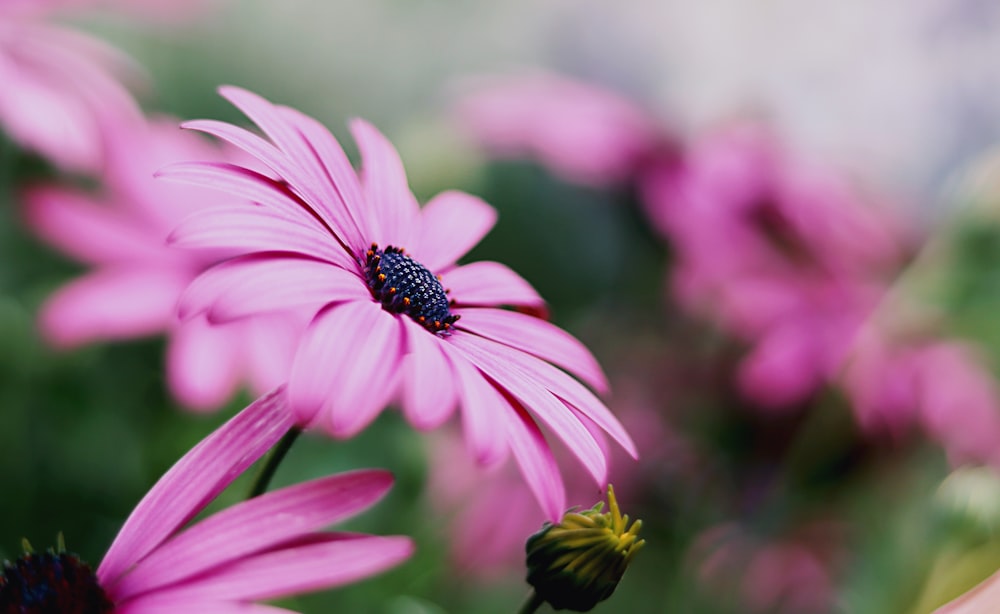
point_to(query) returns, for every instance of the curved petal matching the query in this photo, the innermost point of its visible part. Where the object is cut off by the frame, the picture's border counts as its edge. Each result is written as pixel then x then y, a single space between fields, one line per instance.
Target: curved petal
pixel 171 604
pixel 255 229
pixel 386 189
pixel 538 466
pixel 429 391
pixel 489 284
pixel 86 230
pixel 321 192
pixel 451 224
pixel 325 562
pixel 250 527
pixel 347 360
pixel 563 386
pixel 202 364
pixel 196 479
pixel 482 407
pixel 539 401
pixel 537 337
pixel 261 283
pixel 118 303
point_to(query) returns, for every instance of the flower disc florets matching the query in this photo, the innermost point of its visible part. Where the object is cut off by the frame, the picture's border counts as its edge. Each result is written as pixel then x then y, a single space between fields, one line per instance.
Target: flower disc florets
pixel 403 285
pixel 53 581
pixel 578 562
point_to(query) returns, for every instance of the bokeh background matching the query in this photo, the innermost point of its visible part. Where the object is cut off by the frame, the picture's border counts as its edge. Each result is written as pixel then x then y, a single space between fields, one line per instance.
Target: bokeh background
pixel 744 509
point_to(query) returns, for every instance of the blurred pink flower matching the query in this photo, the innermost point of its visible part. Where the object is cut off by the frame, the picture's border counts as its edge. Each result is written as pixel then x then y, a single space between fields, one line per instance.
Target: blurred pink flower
pixel 137 278
pixel 62 88
pixel 228 560
pixel 584 133
pixel 785 256
pixel 384 323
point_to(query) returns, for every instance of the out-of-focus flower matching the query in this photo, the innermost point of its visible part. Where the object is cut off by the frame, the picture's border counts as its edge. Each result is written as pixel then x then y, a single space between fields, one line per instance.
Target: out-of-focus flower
pixel 787 257
pixel 231 559
pixel 586 134
pixel 63 89
pixel 578 562
pixel 137 278
pixel 387 320
pixel 788 575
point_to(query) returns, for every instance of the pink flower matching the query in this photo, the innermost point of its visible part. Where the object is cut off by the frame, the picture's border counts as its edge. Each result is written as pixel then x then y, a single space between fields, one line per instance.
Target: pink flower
pixel 786 256
pixel 136 279
pixel 230 559
pixel 584 133
pixel 386 323
pixel 62 89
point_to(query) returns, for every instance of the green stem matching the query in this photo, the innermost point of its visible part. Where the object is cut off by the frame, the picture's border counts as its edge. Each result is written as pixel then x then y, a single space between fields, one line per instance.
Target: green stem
pixel 270 466
pixel 532 604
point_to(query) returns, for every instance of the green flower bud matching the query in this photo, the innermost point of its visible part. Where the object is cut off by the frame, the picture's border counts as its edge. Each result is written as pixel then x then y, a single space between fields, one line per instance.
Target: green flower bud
pixel 578 562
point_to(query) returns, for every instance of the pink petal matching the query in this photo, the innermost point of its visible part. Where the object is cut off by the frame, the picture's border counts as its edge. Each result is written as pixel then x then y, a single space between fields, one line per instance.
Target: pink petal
pixel 537 337
pixel 347 360
pixel 202 364
pixel 482 409
pixel 240 182
pixel 320 191
pixel 258 283
pixel 451 224
pixel 429 393
pixel 539 401
pixel 270 341
pixel 112 304
pixel 250 527
pixel 538 466
pixel 982 599
pixel 171 604
pixel 87 231
pixel 335 561
pixel 386 189
pixel 249 229
pixel 489 284
pixel 563 386
pixel 339 172
pixel 196 479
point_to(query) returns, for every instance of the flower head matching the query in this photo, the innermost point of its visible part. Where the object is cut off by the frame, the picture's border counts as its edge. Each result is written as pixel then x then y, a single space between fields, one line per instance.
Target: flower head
pixel 136 279
pixel 395 317
pixel 578 562
pixel 228 560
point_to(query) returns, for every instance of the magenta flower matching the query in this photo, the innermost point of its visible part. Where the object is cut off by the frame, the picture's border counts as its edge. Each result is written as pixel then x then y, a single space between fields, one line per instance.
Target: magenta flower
pixel 136 280
pixel 228 560
pixel 62 88
pixel 584 133
pixel 390 324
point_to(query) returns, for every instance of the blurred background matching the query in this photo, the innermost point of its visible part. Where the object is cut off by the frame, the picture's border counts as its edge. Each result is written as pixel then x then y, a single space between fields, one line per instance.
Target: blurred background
pixel 790 276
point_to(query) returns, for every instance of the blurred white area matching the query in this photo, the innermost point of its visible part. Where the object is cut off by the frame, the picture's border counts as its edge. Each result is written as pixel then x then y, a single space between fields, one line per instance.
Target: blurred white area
pixel 904 92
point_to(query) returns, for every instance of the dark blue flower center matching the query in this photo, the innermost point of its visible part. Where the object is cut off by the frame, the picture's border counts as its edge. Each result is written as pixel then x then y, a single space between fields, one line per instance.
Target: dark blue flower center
pixel 50 583
pixel 403 285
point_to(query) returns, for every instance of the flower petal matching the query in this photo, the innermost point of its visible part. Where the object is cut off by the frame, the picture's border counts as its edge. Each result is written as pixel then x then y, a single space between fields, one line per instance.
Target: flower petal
pixel 251 229
pixel 489 284
pixel 250 527
pixel 263 282
pixel 196 479
pixel 429 392
pixel 385 186
pixel 202 364
pixel 171 604
pixel 117 303
pixel 451 224
pixel 482 407
pixel 333 560
pixel 534 457
pixel 348 357
pixel 539 401
pixel 537 337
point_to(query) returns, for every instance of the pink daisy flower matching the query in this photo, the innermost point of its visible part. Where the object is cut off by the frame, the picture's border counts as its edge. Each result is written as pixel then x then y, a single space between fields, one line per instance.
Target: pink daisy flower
pixel 390 323
pixel 227 561
pixel 133 288
pixel 62 88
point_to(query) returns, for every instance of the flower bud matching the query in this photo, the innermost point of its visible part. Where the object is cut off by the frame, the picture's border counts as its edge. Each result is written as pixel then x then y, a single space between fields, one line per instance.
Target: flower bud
pixel 578 562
